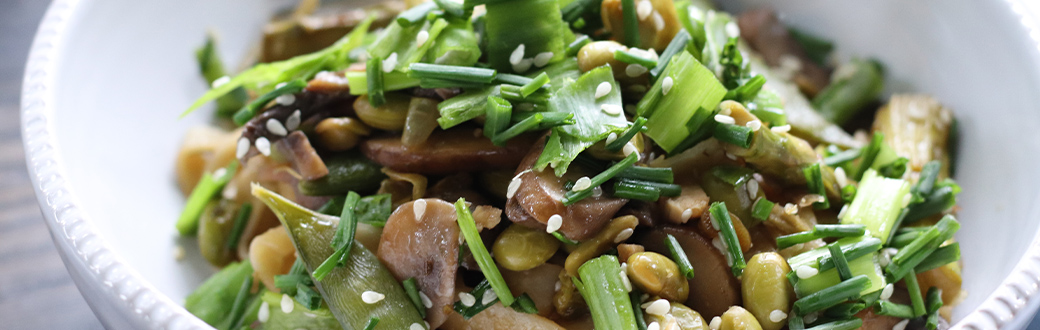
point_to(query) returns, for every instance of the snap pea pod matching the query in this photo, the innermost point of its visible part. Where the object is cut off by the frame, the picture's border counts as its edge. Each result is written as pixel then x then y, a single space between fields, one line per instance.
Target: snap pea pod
pixel 783 156
pixel 347 172
pixel 343 286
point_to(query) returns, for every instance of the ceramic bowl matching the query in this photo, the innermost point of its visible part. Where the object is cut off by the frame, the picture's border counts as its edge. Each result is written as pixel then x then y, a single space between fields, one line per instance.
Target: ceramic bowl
pixel 107 79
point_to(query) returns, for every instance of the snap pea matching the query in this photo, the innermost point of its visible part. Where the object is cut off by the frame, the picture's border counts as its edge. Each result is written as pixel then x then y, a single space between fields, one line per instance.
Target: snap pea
pixel 347 172
pixel 215 227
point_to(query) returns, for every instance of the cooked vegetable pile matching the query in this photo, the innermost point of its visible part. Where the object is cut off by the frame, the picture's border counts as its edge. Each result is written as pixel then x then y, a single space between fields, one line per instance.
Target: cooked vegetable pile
pixel 565 164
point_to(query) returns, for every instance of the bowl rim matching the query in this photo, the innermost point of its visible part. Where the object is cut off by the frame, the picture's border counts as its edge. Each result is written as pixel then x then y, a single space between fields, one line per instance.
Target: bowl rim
pixel 82 246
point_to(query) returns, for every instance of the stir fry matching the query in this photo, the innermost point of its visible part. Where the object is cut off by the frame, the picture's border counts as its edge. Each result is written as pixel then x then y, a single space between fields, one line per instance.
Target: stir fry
pixel 565 164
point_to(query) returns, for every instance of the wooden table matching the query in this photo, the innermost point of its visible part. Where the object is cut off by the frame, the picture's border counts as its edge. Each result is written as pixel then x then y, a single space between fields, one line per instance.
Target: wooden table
pixel 36 291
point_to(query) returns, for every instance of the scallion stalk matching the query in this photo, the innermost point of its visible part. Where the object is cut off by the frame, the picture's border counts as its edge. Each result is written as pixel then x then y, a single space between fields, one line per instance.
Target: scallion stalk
pixel 652 174
pixel 468 227
pixel 934 301
pixel 517 129
pixel 638 125
pixel 916 300
pixel 207 188
pixel 720 214
pixel 762 208
pixel 374 73
pixel 814 179
pixel 564 239
pixel 845 310
pixel 663 189
pixel 604 292
pixel 913 254
pixel 678 44
pixel 679 256
pixel 415 14
pixel 536 83
pixel 411 287
pixel 630 22
pixel 572 197
pixel 926 181
pixel 640 321
pixel 888 308
pixel 852 251
pixel 628 190
pixel 576 45
pixel 733 134
pixel 630 58
pixel 838 258
pixel 238 308
pixel 343 239
pixel 451 72
pixel 372 323
pixel 820 231
pixel 868 154
pixel 941 257
pixel 826 298
pixel 878 204
pixel 512 79
pixel 497 116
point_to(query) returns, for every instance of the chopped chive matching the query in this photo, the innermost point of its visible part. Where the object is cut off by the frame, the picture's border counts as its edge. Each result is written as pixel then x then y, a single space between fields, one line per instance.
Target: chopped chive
pixel 679 256
pixel 287 283
pixel 572 197
pixel 564 239
pixel 840 263
pixel 575 46
pixel 772 115
pixel 515 94
pixel 374 74
pixel 733 134
pixel 524 304
pixel 636 301
pixel 343 239
pixel 868 154
pixel 926 181
pixel 941 257
pixel 814 179
pixel 747 91
pixel 934 301
pixel 579 23
pixel 240 225
pixel 638 125
pixel 821 231
pixel 629 190
pixel 892 309
pixel 630 58
pixel 787 241
pixel 920 248
pixel 412 289
pixel 372 322
pixel 941 199
pixel 247 112
pixel 901 240
pixel 415 14
pixel 480 253
pixel 828 297
pixel 841 157
pixel 307 297
pixel 553 119
pixel 512 79
pixel 852 252
pixel 895 169
pixel 652 174
pixel 916 300
pixel 451 72
pixel 497 115
pixel 678 44
pixel 665 189
pixel 447 83
pixel 845 310
pixel 720 214
pixel 204 191
pixel 630 23
pixel 605 294
pixel 762 208
pixel 238 307
pixel 848 193
pixel 517 129
pixel 537 83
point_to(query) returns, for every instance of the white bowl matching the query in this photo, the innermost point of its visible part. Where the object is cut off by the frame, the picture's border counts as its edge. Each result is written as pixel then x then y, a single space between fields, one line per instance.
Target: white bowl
pixel 106 80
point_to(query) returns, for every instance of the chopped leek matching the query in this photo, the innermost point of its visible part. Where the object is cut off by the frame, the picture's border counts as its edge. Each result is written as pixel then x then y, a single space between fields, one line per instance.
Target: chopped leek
pixel 690 85
pixel 877 205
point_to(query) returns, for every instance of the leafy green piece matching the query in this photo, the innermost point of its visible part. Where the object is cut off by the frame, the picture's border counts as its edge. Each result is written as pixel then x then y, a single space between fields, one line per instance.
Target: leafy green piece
pixel 403 41
pixel 536 24
pixel 464 107
pixel 456 45
pixel 212 68
pixel 877 204
pixel 694 94
pixel 212 301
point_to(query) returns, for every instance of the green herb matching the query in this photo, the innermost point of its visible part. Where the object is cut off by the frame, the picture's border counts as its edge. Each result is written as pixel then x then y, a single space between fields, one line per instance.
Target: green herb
pixel 916 300
pixel 852 251
pixel 374 210
pixel 519 128
pixel 630 23
pixel 795 321
pixel 415 14
pixel 887 308
pixel 238 307
pixel 662 189
pixel 628 190
pixel 733 175
pixel 479 306
pixel 207 188
pixel 732 62
pixel 574 11
pixel 450 72
pixel 669 119
pixel 762 208
pixel 926 181
pixel 497 118
pixel 536 24
pixel 342 240
pixel 374 73
pixel 454 8
pixel 564 239
pixel 720 214
pixel 512 79
pixel 601 285
pixel 935 302
pixel 913 254
pixel 860 253
pixel 464 107
pixel 848 193
pixel 638 125
pixel 733 134
pixel 814 179
pixel 212 69
pixel 476 246
pixel 941 257
pixel 213 300
pixel 939 200
pixel 412 289
pixel 402 40
pixel 826 298
pixel 249 110
pixel 307 296
pixel 515 94
pixel 636 300
pixel 524 304
pixel 840 263
pixel 575 46
pixel 895 169
pixel 372 322
pixel 774 115
pixel 538 82
pixel 652 174
pixel 392 81
pixel 818 232
pixel 841 158
pixel 850 93
pixel 241 219
pixel 678 44
pixel 845 310
pixel 867 155
pixel 679 256
pixel 572 197
pixel 631 58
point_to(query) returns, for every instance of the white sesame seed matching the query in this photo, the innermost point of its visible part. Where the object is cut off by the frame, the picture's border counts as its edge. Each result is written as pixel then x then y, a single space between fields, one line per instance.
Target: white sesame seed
pixel 635 70
pixel 725 108
pixel 219 173
pixel 280 85
pixel 263 145
pixel 777 315
pixel 287 304
pixel 178 252
pixel 514 184
pixel 419 208
pixel 644 9
pixel 285 99
pixel 582 184
pixel 884 259
pixel 390 63
pixel 841 177
pixel 781 129
pixel 221 81
pixel 523 66
pixel 731 156
pixel 844 208
pixel 886 293
pixel 754 125
pixel 467 299
pixel 542 59
pixel 416 326
pixel 625 282
pixel 659 307
pixel 805 272
pixel 790 209
pixel 611 109
pixel 901 325
pixel 611 137
pixel 752 188
pixel 264 313
pixel 623 235
pixel 558 286
pixel 372 297
pixel 421 38
pixel 275 127
pixel 242 148
pixel 732 30
pixel 629 149
pixel 687 214
pixel 715 323
pixel 310 315
pixel 554 223
pixel 666 85
pixel 293 122
pixel 488 297
pixel 658 21
pixel 811 317
pixel 425 300
pixel 603 89
pixel 653 54
pixel 725 119
pixel 517 55
pixel 653 326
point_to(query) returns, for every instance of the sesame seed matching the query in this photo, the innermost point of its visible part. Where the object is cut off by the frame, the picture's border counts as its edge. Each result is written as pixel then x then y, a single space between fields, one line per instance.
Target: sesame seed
pixel 425 300
pixel 811 317
pixel 625 281
pixel 790 209
pixel 635 70
pixel 514 184
pixel 644 9
pixel 416 326
pixel 901 325
pixel 310 315
pixel 805 272
pixel 726 107
pixel 752 188
pixel 666 85
pixel 611 109
pixel 263 145
pixel 653 54
pixel 390 63
pixel 559 286
pixel 275 127
pixel 280 85
pixel 293 122
pixel 731 156
pixel 886 293
pixel 603 89
pixel 715 323
pixel 732 30
pixel 264 313
pixel 242 148
pixel 221 81
pixel 554 223
pixel 372 297
pixel 725 119
pixel 623 235
pixel 777 315
pixel 754 125
pixel 844 208
pixel 658 22
pixel 517 55
pixel 178 253
pixel 542 59
pixel 582 184
pixel 659 307
pixel 843 179
pixel 629 149
pixel 285 99
pixel 488 297
pixel 467 299
pixel 781 129
pixel 884 259
pixel 523 66
pixel 687 214
pixel 219 173
pixel 611 137
pixel 419 208
pixel 653 326
pixel 287 304
pixel 421 38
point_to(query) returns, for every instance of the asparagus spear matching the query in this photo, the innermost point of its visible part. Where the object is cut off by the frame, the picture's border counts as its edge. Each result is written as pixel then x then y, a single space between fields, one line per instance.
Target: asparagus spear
pixel 917 127
pixel 783 156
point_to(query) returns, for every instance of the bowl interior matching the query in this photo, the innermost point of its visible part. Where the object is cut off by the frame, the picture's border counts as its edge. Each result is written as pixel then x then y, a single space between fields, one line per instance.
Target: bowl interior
pixel 128 70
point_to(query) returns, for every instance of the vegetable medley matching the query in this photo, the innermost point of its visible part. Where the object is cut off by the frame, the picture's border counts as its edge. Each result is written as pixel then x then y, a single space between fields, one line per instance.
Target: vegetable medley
pixel 565 164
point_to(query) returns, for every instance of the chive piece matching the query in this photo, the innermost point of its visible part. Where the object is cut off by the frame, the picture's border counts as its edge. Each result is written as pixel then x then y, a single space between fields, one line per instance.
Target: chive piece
pixel 636 301
pixel 553 119
pixel 826 298
pixel 497 115
pixel 342 240
pixel 678 44
pixel 934 301
pixel 840 263
pixel 630 58
pixel 517 129
pixel 888 308
pixel 374 210
pixel 895 169
pixel 679 256
pixel 512 79
pixel 941 257
pixel 537 83
pixel 515 93
pixel 852 252
pixel 941 199
pixel 476 246
pixel 374 74
pixel 447 83
pixel 787 241
pixel 630 23
pixel 652 174
pixel 372 322
pixel 287 283
pixel 664 189
pixel 920 248
pixel 748 91
pixel 307 297
pixel 841 158
pixel 629 190
pixel 916 300
pixel 868 154
pixel 572 197
pixel 849 324
pixel 845 310
pixel 575 46
pixel 901 240
pixel 238 307
pixel 524 304
pixel 848 193
pixel 412 289
pixel 814 179
pixel 240 225
pixel 247 112
pixel 638 125
pixel 821 231
pixel 926 181
pixel 602 287
pixel 564 239
pixel 761 209
pixel 204 191
pixel 720 214
pixel 733 134
pixel 451 72
pixel 415 14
